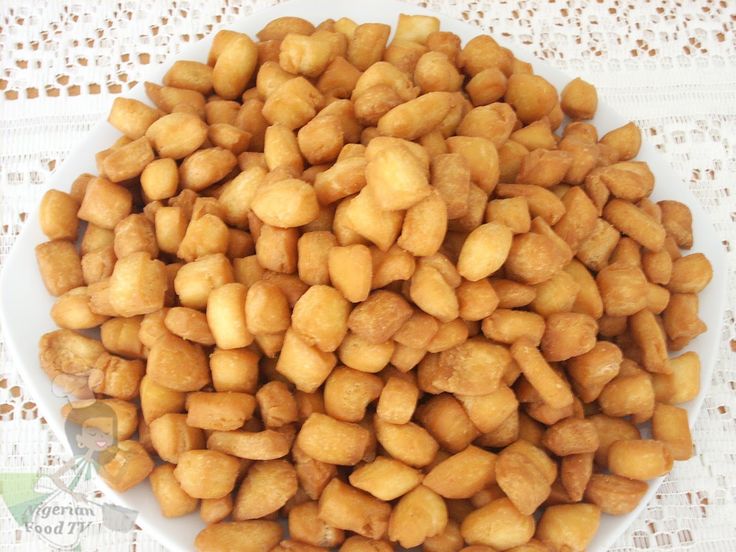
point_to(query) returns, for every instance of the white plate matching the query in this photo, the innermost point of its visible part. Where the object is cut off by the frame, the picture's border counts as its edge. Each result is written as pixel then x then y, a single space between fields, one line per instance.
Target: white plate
pixel 25 304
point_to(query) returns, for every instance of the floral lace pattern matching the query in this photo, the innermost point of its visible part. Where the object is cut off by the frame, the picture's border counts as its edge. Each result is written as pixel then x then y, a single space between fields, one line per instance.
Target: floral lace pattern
pixel 670 64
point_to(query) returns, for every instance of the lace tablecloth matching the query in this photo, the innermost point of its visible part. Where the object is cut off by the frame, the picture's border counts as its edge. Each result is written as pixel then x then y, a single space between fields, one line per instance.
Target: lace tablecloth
pixel 669 65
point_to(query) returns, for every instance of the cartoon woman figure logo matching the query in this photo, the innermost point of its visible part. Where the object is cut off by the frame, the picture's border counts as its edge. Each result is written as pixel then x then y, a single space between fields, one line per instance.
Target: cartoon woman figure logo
pixel 52 505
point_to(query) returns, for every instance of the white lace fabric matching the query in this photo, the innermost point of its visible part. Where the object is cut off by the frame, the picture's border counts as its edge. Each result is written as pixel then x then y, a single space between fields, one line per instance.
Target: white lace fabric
pixel 669 65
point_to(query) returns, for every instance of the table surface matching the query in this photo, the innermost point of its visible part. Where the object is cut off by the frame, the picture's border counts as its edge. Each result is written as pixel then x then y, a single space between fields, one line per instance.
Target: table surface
pixel 671 66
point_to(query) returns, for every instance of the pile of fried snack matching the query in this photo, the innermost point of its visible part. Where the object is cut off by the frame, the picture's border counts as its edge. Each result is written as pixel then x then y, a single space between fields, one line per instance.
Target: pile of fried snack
pixel 398 293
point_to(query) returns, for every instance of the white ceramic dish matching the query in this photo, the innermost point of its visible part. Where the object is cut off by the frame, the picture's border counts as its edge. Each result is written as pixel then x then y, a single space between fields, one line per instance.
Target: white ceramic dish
pixel 25 304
